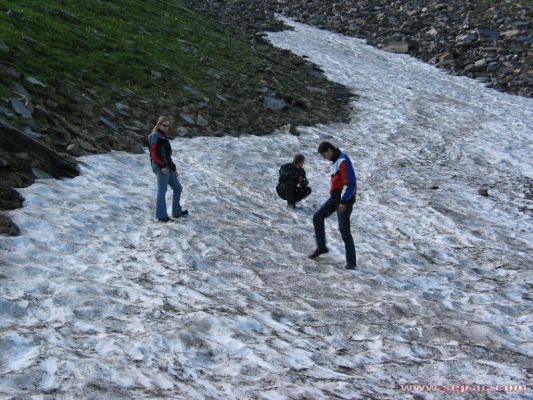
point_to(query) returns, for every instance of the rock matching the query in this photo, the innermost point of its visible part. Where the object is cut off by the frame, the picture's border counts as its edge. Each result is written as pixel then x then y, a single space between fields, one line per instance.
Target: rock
pixel 182 131
pixel 202 121
pixel 9 71
pixel 108 112
pixel 8 227
pixel 6 112
pixel 487 33
pixel 40 174
pixel 9 198
pixel 221 98
pixel 122 109
pixel 40 155
pixel 445 57
pixel 3 46
pixel 34 81
pixel 22 91
pixel 274 103
pixel 193 91
pixel 156 74
pixel 3 163
pixel 483 191
pixel 18 106
pixel 31 133
pixel 482 63
pixel 525 39
pixel 316 20
pixel 466 39
pixel 493 66
pixel 510 34
pixel 74 149
pixel 432 32
pixel 396 47
pixel 213 73
pixel 108 124
pixel 187 118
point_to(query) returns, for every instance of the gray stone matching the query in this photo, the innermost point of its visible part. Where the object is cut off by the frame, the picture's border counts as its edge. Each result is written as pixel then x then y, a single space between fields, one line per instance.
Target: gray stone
pixel 22 91
pixel 487 33
pixel 221 98
pixel 109 124
pixel 108 112
pixel 9 71
pixel 192 91
pixel 202 121
pixel 40 174
pixel 18 106
pixel 316 20
pixel 3 46
pixel 483 191
pixel 396 47
pixel 182 131
pixel 187 118
pixel 74 149
pixel 6 112
pixel 432 32
pixel 122 109
pixel 3 163
pixel 31 133
pixel 34 81
pixel 512 33
pixel 274 103
pixel 213 73
pixel 156 74
pixel 480 63
pixel 467 38
pixel 525 39
pixel 493 66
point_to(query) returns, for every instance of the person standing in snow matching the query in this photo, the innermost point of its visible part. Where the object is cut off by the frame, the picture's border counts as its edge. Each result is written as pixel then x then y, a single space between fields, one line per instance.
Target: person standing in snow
pixel 165 170
pixel 342 198
pixel 292 183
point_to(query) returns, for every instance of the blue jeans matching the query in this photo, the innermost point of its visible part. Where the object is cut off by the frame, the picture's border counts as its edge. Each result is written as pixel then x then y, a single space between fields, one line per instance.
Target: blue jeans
pixel 170 179
pixel 343 218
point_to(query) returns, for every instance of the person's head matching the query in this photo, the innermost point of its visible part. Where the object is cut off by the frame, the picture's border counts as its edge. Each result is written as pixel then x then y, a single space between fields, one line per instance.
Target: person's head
pixel 327 150
pixel 298 160
pixel 162 124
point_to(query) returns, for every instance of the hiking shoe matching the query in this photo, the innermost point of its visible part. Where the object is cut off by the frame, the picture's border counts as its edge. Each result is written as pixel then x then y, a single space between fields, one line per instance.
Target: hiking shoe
pixel 350 266
pixel 318 252
pixel 164 219
pixel 182 214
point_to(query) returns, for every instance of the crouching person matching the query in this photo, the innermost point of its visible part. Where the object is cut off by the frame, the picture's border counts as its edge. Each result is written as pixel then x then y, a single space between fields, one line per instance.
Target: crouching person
pixel 292 184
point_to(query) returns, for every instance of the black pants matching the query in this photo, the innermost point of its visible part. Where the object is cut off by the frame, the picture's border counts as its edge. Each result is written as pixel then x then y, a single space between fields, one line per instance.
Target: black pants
pixel 328 208
pixel 292 193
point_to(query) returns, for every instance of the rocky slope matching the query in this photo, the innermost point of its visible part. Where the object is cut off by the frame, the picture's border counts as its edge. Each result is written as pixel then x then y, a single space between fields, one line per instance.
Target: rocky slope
pixel 491 41
pixel 80 78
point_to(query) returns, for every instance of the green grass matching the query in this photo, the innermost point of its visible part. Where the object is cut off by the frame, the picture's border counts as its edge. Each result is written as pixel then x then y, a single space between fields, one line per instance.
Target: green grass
pixel 104 46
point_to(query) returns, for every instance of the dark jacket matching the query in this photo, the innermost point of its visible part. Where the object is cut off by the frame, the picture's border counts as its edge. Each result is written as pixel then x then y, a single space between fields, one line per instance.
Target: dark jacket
pixel 288 173
pixel 160 150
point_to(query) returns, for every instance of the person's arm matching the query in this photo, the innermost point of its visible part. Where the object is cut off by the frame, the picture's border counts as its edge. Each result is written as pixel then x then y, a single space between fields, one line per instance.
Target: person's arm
pixel 155 152
pixel 349 181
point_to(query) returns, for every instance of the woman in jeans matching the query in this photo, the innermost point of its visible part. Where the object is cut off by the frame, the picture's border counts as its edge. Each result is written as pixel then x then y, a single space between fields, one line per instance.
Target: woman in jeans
pixel 165 170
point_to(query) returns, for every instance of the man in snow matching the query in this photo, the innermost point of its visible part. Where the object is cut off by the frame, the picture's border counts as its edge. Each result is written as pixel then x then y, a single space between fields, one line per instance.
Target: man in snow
pixel 292 182
pixel 342 198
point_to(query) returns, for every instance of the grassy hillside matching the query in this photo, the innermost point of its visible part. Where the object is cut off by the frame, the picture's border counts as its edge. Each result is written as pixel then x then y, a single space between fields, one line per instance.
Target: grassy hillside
pixel 129 60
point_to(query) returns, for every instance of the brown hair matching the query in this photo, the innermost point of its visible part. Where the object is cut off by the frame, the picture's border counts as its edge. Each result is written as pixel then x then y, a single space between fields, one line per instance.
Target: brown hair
pixel 298 158
pixel 325 146
pixel 162 119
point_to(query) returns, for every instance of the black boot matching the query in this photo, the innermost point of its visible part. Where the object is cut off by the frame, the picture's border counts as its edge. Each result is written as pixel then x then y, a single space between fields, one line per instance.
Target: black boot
pixel 318 252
